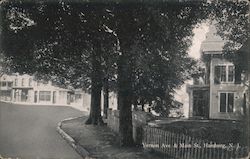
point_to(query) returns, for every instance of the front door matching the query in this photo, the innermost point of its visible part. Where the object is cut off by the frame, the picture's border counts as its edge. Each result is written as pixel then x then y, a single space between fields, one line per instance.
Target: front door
pixel 201 103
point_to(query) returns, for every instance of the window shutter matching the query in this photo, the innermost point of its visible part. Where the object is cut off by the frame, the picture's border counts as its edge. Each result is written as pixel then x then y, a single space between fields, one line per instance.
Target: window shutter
pixel 237 75
pixel 217 75
pixel 223 102
pixel 230 103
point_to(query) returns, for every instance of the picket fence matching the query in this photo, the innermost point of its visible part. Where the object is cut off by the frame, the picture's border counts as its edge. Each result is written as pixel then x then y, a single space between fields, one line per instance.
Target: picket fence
pixel 178 146
pixel 181 146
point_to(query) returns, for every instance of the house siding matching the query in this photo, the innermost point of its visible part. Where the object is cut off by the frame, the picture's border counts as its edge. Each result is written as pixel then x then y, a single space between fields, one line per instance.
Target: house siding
pixel 215 89
pixel 25 89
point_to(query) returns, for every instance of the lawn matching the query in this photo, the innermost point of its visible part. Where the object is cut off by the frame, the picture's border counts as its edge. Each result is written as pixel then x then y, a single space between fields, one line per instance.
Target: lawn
pixel 219 131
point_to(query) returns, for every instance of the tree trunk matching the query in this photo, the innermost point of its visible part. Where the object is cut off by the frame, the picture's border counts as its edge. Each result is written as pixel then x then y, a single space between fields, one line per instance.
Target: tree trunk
pixel 125 100
pixel 105 97
pixel 95 117
pixel 142 105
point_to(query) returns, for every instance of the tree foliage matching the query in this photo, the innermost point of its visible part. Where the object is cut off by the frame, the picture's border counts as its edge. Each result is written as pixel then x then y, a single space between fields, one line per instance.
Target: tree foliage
pixel 141 47
pixel 232 25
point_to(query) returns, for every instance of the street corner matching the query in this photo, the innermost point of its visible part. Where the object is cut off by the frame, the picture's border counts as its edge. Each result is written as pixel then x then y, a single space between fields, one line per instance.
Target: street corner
pixel 78 148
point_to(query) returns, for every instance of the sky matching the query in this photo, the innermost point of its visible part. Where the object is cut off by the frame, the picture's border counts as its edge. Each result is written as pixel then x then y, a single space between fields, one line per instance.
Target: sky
pixel 194 51
pixel 199 36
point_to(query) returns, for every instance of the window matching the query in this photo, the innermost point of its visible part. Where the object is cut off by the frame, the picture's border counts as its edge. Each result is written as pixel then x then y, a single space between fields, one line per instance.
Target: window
pixel 22 81
pixel 224 74
pixel 231 73
pixel 16 82
pixel 226 102
pixel 30 81
pixel 4 84
pixel 78 96
pixel 9 84
pixel 217 74
pixel 44 95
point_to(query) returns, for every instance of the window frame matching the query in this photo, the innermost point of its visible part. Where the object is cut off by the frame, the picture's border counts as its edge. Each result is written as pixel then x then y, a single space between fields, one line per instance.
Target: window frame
pixel 9 84
pixel 227 94
pixel 44 95
pixel 4 84
pixel 227 74
pixel 22 82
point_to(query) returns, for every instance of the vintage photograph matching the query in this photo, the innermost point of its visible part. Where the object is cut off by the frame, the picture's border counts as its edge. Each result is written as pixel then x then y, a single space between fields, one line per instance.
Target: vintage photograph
pixel 124 79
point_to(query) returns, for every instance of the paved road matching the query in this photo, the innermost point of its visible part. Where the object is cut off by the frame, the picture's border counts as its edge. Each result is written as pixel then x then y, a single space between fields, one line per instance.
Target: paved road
pixel 30 131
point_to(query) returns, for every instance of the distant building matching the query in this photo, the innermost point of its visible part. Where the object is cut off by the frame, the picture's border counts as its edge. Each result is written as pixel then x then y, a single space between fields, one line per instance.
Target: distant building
pixel 219 94
pixel 6 87
pixel 25 89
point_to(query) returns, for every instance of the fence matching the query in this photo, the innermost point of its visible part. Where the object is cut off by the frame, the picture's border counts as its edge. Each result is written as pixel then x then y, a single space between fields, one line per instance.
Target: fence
pixel 139 118
pixel 113 120
pixel 185 147
pixel 175 145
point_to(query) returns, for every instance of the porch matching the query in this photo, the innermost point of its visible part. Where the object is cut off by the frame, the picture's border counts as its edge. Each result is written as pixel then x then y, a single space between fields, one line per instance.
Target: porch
pixel 198 101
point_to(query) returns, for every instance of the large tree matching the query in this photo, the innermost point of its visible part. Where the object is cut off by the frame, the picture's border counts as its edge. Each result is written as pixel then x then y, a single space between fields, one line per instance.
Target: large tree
pixel 154 39
pixel 63 44
pixel 143 44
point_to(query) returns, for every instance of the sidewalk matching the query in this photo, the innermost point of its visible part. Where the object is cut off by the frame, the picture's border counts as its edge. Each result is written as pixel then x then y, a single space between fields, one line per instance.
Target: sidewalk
pixel 100 142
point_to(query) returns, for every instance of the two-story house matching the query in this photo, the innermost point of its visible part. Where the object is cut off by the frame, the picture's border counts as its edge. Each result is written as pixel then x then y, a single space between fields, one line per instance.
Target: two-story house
pixel 22 88
pixel 26 89
pixel 220 95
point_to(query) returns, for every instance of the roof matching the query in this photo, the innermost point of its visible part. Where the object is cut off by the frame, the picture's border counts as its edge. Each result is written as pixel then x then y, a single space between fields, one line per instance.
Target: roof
pixel 213 47
pixel 5 77
pixel 213 43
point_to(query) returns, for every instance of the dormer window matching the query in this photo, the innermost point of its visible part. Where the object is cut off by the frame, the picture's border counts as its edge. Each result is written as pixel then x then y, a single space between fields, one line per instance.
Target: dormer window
pixel 224 74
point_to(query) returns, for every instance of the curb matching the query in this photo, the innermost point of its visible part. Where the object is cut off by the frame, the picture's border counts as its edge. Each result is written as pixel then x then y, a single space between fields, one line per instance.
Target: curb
pixel 78 148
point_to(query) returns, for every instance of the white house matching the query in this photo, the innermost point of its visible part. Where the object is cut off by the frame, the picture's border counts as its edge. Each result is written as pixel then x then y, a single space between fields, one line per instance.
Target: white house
pixel 26 89
pixel 6 87
pixel 220 94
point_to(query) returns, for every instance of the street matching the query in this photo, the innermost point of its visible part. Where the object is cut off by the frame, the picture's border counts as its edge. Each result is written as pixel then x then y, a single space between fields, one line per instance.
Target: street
pixel 28 131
